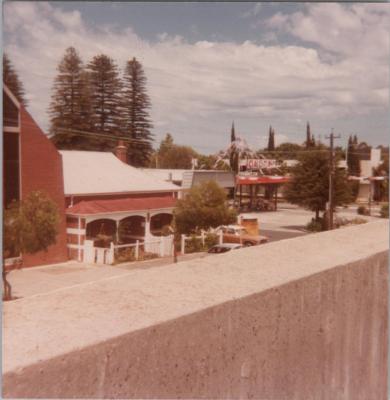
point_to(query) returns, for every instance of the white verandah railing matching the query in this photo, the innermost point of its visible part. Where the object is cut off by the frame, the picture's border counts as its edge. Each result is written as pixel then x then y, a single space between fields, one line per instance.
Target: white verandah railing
pixel 161 246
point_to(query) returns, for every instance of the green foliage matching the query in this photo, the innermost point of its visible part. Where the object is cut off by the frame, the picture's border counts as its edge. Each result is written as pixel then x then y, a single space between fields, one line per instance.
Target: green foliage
pixel 70 105
pixel 106 103
pixel 170 155
pixel 210 240
pixel 363 210
pixel 353 159
pixel 271 139
pixel 11 79
pixel 203 207
pixel 385 211
pixel 32 225
pixel 193 245
pixel 137 122
pixel 354 188
pixel 287 151
pixel 309 186
pixel 315 225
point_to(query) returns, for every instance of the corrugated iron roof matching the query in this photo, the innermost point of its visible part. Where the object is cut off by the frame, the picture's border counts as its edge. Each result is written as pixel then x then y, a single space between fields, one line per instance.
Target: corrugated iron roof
pixel 93 172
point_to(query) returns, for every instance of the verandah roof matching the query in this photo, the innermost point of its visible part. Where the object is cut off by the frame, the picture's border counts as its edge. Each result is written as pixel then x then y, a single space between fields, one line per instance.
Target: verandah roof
pixel 92 207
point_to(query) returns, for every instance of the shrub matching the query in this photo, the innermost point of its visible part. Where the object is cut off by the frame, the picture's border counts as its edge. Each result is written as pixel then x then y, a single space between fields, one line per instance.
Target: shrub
pixel 315 225
pixel 357 221
pixel 385 211
pixel 210 240
pixel 362 210
pixel 193 245
pixel 125 255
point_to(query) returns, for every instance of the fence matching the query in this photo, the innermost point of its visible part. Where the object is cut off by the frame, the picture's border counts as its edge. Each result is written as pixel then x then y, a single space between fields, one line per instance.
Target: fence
pixel 202 237
pixel 162 246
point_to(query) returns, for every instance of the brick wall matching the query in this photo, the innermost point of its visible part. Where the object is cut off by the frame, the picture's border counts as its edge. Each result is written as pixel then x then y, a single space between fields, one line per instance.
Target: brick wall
pixel 41 169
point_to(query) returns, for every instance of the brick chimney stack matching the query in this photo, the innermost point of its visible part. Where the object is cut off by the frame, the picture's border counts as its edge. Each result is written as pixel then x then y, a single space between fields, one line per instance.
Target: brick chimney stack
pixel 121 151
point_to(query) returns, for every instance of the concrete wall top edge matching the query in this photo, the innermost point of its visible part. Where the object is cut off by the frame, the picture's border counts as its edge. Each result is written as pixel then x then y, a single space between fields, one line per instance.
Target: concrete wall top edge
pixel 49 325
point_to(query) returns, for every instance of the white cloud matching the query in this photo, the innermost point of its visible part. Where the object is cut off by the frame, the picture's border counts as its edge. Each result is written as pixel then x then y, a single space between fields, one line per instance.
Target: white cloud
pixel 199 88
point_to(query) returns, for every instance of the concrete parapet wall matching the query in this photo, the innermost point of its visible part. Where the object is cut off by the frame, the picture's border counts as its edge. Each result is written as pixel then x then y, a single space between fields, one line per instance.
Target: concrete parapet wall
pixel 304 318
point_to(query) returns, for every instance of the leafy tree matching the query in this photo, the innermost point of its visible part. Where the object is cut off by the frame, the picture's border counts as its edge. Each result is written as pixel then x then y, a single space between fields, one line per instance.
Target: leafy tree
pixel 287 151
pixel 106 103
pixel 202 208
pixel 271 139
pixel 309 186
pixel 382 192
pixel 70 108
pixel 170 155
pixel 29 227
pixel 137 123
pixel 11 79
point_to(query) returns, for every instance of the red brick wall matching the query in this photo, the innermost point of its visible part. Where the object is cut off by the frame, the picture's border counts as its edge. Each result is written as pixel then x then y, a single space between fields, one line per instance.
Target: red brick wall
pixel 41 169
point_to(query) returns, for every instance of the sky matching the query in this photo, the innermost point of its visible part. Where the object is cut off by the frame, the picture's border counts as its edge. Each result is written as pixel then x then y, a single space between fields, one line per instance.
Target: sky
pixel 208 64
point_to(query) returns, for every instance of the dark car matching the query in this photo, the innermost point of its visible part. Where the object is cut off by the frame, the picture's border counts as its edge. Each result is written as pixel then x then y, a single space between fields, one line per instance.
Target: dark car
pixel 223 248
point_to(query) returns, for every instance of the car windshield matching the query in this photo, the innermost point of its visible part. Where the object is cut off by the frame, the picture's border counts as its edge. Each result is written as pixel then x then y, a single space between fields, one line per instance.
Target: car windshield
pixel 242 231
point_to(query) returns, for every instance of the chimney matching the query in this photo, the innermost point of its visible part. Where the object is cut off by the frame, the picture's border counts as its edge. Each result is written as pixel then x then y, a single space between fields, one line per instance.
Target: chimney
pixel 121 151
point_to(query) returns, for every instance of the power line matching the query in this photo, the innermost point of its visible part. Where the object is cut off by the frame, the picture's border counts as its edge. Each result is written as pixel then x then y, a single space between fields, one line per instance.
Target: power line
pixel 97 135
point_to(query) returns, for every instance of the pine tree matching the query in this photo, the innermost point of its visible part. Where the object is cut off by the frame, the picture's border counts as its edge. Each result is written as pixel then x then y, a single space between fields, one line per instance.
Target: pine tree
pixel 106 102
pixel 70 105
pixel 11 79
pixel 355 140
pixel 137 123
pixel 271 139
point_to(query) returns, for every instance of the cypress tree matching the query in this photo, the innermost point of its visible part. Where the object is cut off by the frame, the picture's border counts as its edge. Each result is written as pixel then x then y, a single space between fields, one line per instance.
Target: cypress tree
pixel 233 153
pixel 233 133
pixel 271 139
pixel 11 79
pixel 106 103
pixel 70 105
pixel 137 122
pixel 309 139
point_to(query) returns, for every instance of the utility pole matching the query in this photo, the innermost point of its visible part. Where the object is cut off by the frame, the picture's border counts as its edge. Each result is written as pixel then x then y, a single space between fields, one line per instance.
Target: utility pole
pixel 331 137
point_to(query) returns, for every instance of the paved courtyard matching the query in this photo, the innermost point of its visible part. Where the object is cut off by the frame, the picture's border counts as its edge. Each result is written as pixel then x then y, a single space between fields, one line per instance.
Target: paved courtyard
pixel 287 222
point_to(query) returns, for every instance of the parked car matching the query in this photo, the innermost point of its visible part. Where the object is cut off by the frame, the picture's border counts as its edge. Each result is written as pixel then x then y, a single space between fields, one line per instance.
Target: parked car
pixel 223 248
pixel 238 234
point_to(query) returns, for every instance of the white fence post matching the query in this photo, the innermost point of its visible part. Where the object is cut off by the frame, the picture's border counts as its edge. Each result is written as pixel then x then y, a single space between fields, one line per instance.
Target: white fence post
pixel 183 244
pixel 202 237
pixel 162 246
pixel 137 249
pixel 220 237
pixel 111 254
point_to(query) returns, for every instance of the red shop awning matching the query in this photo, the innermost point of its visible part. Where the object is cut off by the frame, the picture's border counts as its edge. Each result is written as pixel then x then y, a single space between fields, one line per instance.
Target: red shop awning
pixel 258 180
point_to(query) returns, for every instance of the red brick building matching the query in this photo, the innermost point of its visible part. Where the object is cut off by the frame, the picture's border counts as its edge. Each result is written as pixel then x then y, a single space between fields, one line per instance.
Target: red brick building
pixel 31 162
pixel 96 192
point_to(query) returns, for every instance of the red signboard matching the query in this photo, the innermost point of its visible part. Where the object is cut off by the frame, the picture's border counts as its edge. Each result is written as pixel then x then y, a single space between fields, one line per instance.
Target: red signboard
pixel 256 164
